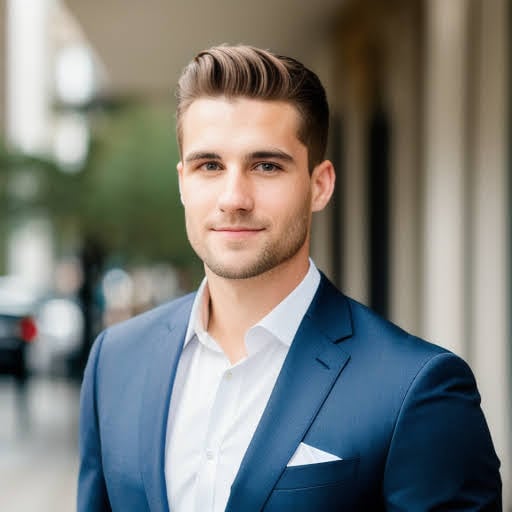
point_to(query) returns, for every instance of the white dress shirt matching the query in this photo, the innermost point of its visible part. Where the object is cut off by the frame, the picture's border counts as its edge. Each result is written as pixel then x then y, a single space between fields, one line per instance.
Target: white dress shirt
pixel 215 406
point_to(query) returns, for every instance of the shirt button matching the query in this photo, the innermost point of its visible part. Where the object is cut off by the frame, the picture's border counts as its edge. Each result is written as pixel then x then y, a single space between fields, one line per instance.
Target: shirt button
pixel 229 375
pixel 209 454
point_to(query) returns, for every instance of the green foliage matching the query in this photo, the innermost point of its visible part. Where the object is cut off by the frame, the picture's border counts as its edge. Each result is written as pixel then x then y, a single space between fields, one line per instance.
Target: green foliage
pixel 130 197
pixel 126 198
pixel 29 186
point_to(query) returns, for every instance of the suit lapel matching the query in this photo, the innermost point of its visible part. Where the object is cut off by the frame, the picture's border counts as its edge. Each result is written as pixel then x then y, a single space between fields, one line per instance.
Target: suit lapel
pixel 164 347
pixel 310 370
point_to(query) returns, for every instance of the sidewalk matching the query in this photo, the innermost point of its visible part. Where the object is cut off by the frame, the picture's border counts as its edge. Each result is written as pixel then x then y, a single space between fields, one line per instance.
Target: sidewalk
pixel 38 447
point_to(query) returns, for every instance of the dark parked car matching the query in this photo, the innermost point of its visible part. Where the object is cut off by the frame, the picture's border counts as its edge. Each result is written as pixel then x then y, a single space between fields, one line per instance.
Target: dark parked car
pixel 18 304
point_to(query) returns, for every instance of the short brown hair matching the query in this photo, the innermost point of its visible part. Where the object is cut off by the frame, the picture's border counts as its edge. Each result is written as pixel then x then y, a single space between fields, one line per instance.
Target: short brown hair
pixel 245 71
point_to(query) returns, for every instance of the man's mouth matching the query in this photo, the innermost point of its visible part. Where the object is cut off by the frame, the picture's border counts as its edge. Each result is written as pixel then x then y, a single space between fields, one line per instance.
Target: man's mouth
pixel 236 229
pixel 237 232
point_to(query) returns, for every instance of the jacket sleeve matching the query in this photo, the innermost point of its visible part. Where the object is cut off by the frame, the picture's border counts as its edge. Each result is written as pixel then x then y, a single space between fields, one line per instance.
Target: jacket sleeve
pixel 441 456
pixel 92 491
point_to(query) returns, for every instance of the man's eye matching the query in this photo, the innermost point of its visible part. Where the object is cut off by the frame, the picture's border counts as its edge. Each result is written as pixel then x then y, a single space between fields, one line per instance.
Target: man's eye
pixel 211 166
pixel 267 167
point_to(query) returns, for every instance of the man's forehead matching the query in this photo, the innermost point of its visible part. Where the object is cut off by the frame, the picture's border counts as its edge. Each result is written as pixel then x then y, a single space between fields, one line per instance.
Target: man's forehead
pixel 216 104
pixel 242 128
pixel 213 120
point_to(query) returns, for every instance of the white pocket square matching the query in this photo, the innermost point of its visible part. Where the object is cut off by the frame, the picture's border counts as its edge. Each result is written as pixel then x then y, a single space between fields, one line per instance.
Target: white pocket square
pixel 306 454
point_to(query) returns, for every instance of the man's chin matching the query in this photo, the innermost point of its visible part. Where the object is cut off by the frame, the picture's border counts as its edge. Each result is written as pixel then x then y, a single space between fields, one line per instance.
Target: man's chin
pixel 238 269
pixel 234 272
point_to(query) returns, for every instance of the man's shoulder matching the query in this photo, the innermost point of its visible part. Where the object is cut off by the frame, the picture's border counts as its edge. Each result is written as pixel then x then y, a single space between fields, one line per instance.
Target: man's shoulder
pixel 164 316
pixel 142 341
pixel 331 305
pixel 389 356
pixel 372 332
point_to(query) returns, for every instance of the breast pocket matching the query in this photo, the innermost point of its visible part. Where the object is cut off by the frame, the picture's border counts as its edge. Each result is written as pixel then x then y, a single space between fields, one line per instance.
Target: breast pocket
pixel 313 487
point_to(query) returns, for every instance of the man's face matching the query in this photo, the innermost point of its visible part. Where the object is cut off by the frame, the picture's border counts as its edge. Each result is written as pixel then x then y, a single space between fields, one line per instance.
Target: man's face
pixel 245 185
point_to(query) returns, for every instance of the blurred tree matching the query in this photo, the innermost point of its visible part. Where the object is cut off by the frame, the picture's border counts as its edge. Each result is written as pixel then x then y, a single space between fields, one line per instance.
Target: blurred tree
pixel 31 186
pixel 123 206
pixel 130 196
pixel 126 197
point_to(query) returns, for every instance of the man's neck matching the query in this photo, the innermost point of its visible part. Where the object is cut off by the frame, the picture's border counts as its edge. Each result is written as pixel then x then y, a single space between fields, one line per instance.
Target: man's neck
pixel 238 304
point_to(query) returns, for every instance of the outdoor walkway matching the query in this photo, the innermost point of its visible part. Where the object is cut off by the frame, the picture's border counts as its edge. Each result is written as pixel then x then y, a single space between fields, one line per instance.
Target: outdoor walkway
pixel 38 447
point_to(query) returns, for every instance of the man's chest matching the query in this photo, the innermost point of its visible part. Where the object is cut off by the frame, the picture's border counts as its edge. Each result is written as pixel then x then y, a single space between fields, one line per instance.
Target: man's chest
pixel 215 409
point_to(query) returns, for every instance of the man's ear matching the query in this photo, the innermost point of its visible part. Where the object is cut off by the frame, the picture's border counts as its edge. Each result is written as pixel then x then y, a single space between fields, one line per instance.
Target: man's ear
pixel 179 168
pixel 323 178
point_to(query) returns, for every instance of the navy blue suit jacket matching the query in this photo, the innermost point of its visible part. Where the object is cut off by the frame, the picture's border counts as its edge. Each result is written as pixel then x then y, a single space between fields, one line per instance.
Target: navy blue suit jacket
pixel 404 416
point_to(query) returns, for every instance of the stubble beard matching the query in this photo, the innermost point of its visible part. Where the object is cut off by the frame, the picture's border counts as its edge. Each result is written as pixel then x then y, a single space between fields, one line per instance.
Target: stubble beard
pixel 271 255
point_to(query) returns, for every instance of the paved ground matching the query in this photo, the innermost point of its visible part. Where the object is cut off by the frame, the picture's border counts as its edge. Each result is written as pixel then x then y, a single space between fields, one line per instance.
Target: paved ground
pixel 38 447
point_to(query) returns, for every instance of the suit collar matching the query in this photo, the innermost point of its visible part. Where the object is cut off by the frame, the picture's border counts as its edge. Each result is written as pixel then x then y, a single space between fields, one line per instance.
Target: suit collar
pixel 313 364
pixel 330 312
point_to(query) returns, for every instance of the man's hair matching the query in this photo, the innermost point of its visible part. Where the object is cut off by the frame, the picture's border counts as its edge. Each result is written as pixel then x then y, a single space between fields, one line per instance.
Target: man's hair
pixel 248 72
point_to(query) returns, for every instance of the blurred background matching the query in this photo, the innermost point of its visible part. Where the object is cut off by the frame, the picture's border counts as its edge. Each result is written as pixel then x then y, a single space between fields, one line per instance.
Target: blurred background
pixel 91 227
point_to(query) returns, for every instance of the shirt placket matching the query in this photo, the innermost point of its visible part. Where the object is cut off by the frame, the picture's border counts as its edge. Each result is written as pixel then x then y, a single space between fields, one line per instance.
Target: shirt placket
pixel 221 417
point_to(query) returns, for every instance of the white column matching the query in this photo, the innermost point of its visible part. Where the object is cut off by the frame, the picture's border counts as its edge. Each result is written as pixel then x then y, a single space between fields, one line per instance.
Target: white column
pixel 445 86
pixel 28 115
pixel 28 80
pixel 490 245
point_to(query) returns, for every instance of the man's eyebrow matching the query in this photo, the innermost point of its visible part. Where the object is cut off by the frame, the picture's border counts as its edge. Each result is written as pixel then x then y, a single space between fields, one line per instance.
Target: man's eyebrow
pixel 263 154
pixel 202 155
pixel 269 154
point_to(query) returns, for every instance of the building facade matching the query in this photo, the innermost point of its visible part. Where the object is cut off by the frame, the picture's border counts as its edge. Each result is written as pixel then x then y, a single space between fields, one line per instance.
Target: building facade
pixel 420 226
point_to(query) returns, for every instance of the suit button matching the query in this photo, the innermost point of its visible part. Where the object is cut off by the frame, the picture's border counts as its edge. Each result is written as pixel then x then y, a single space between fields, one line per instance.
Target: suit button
pixel 210 455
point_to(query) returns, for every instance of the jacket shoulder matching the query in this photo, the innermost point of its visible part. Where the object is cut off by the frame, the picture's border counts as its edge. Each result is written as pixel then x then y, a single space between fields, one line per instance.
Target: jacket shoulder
pixel 371 327
pixel 141 326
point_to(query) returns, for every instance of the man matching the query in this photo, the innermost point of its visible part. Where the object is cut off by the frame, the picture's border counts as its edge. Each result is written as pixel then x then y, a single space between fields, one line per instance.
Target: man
pixel 268 389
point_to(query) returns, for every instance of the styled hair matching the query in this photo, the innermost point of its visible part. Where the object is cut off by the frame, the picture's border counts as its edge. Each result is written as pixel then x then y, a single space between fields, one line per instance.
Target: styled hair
pixel 248 72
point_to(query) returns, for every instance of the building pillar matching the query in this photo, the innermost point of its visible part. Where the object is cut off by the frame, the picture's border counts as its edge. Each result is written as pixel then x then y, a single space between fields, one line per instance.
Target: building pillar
pixel 490 211
pixel 353 81
pixel 403 79
pixel 28 79
pixel 353 180
pixel 444 182
pixel 320 59
pixel 28 115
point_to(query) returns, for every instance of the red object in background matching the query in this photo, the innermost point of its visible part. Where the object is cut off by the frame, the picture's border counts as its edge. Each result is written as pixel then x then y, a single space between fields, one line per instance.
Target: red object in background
pixel 28 329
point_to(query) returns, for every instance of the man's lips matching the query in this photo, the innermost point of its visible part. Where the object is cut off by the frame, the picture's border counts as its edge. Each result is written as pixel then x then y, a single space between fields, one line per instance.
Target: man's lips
pixel 237 232
pixel 237 229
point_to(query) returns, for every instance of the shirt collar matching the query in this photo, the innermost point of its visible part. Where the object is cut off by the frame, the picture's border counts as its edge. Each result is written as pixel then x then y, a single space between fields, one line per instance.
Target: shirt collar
pixel 199 313
pixel 282 322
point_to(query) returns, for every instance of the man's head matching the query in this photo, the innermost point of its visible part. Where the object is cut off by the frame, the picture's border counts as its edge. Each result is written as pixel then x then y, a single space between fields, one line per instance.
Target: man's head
pixel 252 130
pixel 247 72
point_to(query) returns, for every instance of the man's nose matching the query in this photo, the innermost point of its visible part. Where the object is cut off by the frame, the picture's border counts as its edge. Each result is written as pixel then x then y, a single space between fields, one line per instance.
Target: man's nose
pixel 236 193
